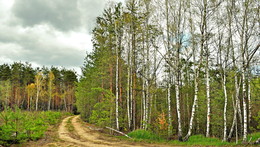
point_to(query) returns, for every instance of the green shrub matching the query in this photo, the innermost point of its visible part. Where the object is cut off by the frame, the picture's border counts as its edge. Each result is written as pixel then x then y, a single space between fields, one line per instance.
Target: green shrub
pixel 143 134
pixel 17 126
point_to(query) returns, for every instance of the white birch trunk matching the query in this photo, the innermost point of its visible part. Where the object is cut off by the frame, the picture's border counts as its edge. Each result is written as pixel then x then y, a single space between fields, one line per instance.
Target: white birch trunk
pixel 131 93
pixel 38 86
pixel 249 101
pixel 169 105
pixel 144 90
pixel 237 87
pixel 143 102
pixel 146 104
pixel 117 75
pixel 225 106
pixel 177 90
pixel 244 104
pixel 128 88
pixel 195 104
pixel 50 92
pixel 37 98
pixel 169 74
pixel 147 80
pixel 208 99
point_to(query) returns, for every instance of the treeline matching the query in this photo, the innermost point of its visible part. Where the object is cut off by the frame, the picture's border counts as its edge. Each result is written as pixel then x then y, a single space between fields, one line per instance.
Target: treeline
pixel 175 68
pixel 36 89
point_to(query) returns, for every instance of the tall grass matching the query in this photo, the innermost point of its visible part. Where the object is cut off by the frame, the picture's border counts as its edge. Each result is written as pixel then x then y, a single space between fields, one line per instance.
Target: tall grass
pixel 144 135
pixel 202 140
pixel 195 140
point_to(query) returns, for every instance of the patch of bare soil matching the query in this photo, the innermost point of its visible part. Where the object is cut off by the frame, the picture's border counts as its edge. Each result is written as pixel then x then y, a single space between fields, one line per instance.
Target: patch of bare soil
pixel 91 137
pixel 82 135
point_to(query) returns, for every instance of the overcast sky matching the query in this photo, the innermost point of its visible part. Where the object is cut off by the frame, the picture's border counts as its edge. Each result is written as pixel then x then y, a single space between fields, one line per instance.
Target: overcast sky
pixel 47 32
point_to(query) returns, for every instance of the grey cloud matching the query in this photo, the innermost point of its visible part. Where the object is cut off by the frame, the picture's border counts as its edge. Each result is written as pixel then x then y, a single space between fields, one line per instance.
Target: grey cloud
pixel 23 39
pixel 90 9
pixel 43 50
pixel 64 15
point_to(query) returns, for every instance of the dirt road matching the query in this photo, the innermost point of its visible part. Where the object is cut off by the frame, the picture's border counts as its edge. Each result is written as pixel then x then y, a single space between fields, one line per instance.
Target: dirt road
pixel 84 136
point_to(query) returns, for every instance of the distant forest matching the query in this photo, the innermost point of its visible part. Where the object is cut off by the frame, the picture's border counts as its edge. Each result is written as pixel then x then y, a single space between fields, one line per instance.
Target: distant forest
pixel 36 89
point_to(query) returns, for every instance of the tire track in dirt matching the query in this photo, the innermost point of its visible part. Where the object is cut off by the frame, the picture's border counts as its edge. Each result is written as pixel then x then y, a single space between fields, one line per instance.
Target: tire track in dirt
pixel 90 138
pixel 64 135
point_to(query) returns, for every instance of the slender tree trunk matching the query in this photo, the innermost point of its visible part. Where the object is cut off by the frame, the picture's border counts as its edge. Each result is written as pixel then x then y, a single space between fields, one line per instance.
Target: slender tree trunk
pixel 134 101
pixel 243 51
pixel 50 93
pixel 131 95
pixel 249 102
pixel 147 82
pixel 28 101
pixel 195 104
pixel 143 102
pixel 169 75
pixel 244 105
pixel 37 94
pixel 197 71
pixel 208 96
pixel 225 106
pixel 177 90
pixel 65 103
pixel 117 76
pixel 236 108
pixel 169 105
pixel 128 87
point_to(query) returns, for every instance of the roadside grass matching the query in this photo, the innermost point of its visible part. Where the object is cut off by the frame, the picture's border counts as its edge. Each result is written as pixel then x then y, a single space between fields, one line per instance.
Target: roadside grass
pixel 202 140
pixel 195 140
pixel 145 135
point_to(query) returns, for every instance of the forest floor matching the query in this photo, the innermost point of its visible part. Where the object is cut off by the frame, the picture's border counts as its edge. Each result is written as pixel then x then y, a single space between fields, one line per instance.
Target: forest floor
pixel 73 132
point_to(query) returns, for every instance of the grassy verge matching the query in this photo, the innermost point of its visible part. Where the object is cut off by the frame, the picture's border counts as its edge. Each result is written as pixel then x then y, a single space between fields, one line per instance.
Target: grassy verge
pixel 195 140
pixel 201 140
pixel 18 126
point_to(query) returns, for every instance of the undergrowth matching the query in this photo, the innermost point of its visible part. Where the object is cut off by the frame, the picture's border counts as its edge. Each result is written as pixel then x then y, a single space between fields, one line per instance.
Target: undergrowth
pixel 18 126
pixel 195 140
pixel 144 135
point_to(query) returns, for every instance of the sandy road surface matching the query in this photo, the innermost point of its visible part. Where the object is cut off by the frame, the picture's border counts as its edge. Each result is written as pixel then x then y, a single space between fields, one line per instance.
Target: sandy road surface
pixel 89 138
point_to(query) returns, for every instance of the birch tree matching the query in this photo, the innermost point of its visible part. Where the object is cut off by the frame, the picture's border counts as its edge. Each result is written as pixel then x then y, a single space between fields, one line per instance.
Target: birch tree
pixel 51 78
pixel 39 83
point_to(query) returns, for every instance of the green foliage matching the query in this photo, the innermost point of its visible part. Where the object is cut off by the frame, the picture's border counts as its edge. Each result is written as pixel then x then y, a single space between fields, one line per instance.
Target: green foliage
pixel 143 134
pixel 102 110
pixel 18 126
pixel 198 140
pixel 253 137
pixel 257 119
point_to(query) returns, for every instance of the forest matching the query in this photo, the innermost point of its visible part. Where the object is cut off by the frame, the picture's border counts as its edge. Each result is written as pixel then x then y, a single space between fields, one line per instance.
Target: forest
pixel 170 68
pixel 37 89
pixel 175 68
